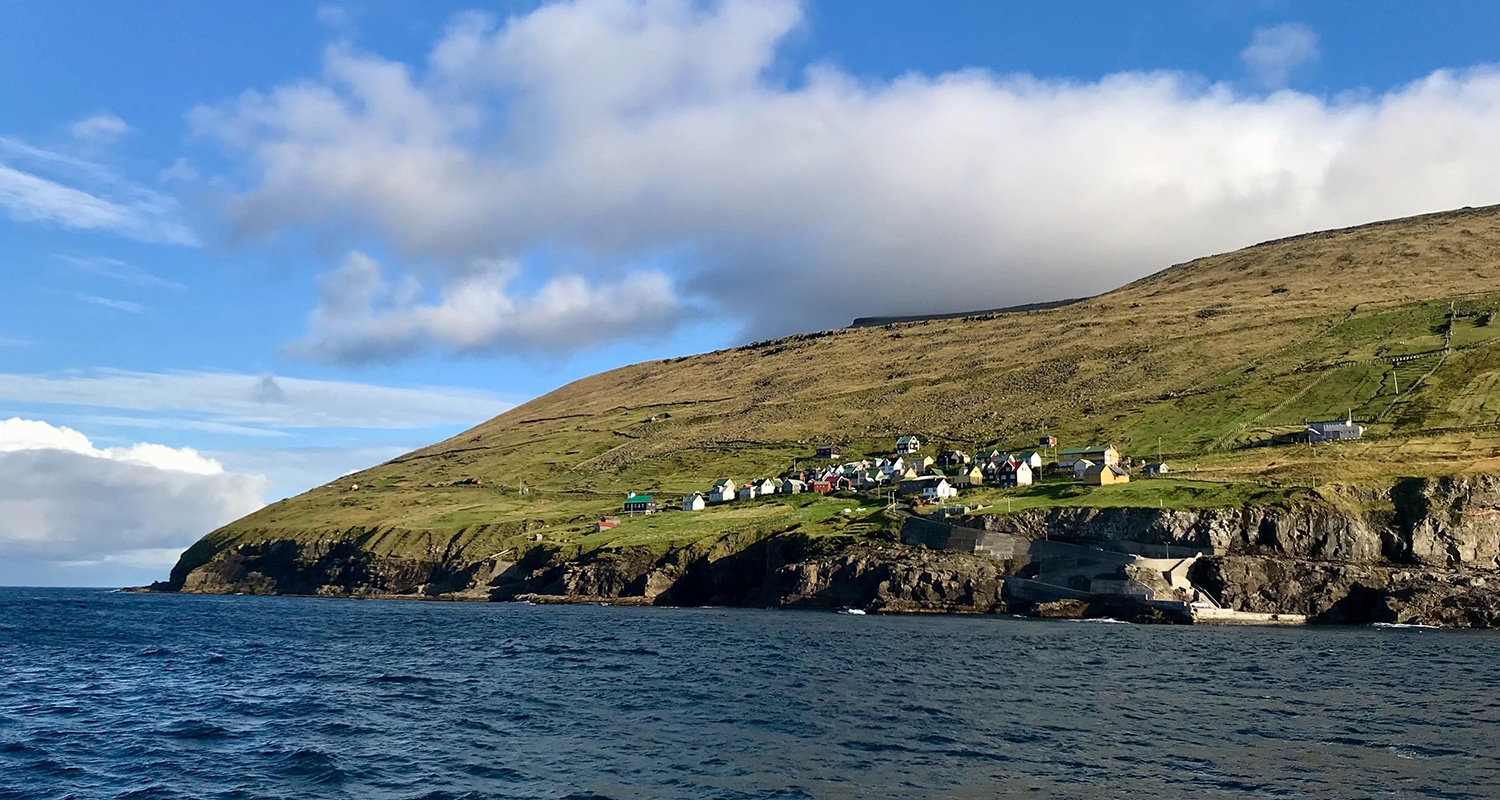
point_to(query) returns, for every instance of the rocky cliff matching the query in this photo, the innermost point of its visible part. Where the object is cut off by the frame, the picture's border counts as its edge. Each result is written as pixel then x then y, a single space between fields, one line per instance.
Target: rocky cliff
pixel 1425 551
pixel 780 570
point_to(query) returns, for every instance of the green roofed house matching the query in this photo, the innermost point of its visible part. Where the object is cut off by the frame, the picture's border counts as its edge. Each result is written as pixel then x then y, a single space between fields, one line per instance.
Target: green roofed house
pixel 639 504
pixel 1098 453
pixel 908 444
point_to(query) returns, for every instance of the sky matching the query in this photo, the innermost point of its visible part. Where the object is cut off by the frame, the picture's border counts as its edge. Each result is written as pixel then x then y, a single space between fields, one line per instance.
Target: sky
pixel 247 248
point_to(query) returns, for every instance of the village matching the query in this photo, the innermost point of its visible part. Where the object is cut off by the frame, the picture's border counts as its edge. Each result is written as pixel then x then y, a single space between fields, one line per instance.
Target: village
pixel 921 480
pixel 906 473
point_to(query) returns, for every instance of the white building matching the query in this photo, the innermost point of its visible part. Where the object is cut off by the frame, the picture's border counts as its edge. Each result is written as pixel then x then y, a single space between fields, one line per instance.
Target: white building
pixel 694 502
pixel 1081 466
pixel 723 491
pixel 1336 430
pixel 939 489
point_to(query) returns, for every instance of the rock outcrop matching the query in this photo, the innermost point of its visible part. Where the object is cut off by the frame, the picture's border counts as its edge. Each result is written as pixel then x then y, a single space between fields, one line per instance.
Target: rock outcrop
pixel 1427 551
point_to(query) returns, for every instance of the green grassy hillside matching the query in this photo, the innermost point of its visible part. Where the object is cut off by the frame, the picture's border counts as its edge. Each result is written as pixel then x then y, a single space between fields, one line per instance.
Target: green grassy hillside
pixel 1393 322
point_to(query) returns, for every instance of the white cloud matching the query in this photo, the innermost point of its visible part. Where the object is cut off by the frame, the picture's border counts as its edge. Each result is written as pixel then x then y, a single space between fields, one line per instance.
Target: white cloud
pixel 258 400
pixel 623 130
pixel 363 317
pixel 99 129
pixel 111 303
pixel 1275 52
pixel 63 189
pixel 64 500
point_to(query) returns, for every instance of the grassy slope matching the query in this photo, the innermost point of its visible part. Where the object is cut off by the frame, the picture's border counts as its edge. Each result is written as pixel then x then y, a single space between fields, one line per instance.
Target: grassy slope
pixel 1199 360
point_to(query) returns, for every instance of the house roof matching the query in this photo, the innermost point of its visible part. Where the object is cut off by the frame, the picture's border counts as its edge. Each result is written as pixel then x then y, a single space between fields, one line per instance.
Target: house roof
pixel 638 498
pixel 1100 468
pixel 1093 448
pixel 906 439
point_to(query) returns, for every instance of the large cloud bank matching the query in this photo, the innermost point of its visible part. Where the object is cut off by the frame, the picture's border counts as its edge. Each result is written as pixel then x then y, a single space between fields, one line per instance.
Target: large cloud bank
pixel 64 500
pixel 653 146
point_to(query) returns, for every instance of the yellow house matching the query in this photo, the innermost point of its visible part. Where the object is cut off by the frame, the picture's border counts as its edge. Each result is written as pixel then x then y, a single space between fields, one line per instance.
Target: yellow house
pixel 1105 475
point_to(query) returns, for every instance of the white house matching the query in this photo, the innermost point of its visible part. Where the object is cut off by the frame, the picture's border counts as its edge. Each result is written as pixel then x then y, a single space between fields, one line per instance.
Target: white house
pixel 723 492
pixel 765 486
pixel 1014 473
pixel 793 486
pixel 1033 459
pixel 749 491
pixel 694 502
pixel 939 489
pixel 908 444
pixel 1080 467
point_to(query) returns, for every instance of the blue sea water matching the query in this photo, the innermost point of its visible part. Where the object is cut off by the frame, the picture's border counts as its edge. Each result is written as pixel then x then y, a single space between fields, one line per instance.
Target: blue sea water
pixel 107 695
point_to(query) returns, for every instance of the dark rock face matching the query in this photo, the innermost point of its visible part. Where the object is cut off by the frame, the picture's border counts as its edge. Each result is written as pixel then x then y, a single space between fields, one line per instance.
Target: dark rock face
pixel 340 568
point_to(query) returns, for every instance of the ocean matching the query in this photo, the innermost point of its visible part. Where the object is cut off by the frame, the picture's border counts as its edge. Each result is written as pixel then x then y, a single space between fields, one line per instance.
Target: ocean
pixel 108 695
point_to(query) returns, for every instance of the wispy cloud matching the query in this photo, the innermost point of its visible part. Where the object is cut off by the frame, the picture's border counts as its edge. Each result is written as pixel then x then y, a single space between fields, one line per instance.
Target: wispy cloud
pixel 257 400
pixel 99 128
pixel 174 424
pixel 111 303
pixel 50 187
pixel 334 16
pixel 181 171
pixel 117 270
pixel 13 341
pixel 1275 52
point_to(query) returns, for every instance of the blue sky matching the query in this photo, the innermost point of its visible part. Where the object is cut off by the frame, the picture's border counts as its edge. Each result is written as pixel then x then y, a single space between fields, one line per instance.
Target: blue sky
pixel 249 247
